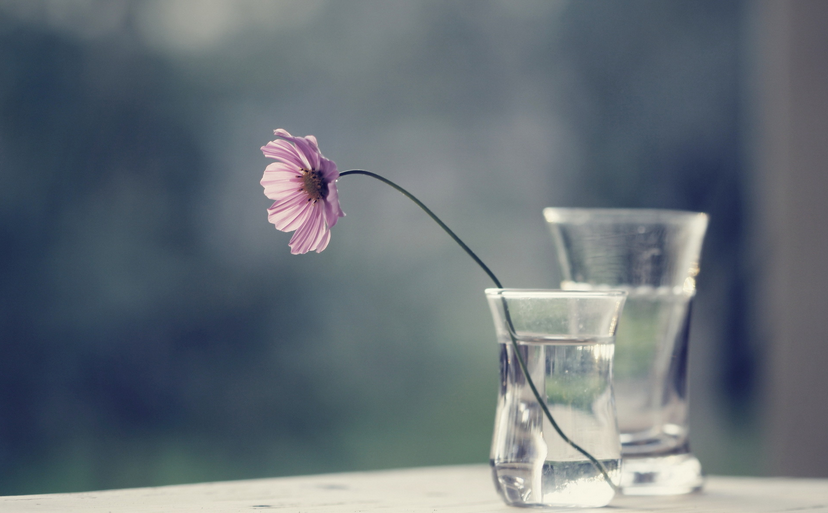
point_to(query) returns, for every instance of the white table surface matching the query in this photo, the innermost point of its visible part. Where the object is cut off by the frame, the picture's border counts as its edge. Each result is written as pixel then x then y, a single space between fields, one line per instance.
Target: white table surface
pixel 456 489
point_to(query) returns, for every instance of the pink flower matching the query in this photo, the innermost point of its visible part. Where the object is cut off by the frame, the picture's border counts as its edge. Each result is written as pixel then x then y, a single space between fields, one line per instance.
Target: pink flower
pixel 303 184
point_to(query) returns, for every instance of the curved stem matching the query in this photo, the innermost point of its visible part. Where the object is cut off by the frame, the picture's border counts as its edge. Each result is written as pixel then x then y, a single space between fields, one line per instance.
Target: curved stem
pixel 512 335
pixel 430 214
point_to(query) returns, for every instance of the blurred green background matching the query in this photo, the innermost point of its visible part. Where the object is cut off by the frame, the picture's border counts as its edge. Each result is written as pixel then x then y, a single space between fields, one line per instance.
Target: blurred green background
pixel 155 329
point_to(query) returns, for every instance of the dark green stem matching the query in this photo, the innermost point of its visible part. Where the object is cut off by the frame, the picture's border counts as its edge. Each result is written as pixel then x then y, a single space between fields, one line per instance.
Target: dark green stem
pixel 431 215
pixel 512 333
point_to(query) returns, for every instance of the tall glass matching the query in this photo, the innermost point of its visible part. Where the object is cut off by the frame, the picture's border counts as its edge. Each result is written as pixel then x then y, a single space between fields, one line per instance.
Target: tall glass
pixel 572 456
pixel 654 256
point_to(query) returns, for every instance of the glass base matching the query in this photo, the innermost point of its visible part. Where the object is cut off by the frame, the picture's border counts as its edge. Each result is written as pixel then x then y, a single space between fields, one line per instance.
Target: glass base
pixel 665 475
pixel 555 484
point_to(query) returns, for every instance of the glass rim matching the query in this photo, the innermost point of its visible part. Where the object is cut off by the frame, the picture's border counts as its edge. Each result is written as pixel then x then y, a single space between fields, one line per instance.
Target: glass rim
pixel 635 215
pixel 554 293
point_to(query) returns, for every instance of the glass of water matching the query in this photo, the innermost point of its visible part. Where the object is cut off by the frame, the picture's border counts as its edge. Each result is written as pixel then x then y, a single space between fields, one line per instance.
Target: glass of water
pixel 654 256
pixel 556 445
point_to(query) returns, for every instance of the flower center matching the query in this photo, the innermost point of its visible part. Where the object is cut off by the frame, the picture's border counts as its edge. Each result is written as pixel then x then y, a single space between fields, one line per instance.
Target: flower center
pixel 314 185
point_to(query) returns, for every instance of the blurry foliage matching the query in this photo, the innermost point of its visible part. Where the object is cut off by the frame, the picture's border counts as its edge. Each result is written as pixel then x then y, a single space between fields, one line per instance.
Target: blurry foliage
pixel 116 325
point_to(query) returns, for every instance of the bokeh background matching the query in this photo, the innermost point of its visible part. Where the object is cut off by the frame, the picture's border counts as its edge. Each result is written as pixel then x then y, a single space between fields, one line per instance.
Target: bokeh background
pixel 154 328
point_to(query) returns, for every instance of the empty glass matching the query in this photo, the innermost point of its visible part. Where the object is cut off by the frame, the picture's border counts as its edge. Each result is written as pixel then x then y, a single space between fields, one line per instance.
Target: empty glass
pixel 654 256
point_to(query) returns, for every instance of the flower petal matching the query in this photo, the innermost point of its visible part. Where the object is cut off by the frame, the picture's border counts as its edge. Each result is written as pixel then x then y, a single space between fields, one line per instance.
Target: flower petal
pixel 312 141
pixel 280 169
pixel 284 134
pixel 308 235
pixel 289 215
pixel 316 227
pixel 278 191
pixel 322 244
pixel 323 229
pixel 283 151
pixel 332 209
pixel 283 181
pixel 310 153
pixel 279 179
pixel 328 168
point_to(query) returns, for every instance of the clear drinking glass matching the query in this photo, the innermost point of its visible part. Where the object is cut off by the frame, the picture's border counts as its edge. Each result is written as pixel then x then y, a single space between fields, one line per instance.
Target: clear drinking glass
pixel 566 341
pixel 654 256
